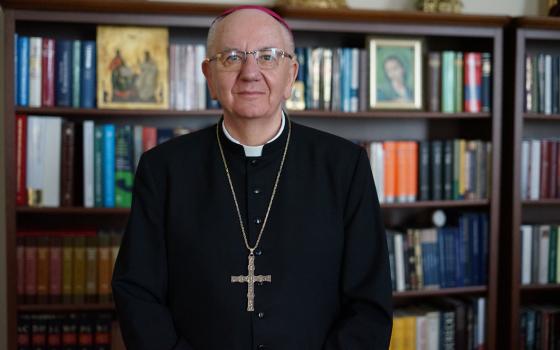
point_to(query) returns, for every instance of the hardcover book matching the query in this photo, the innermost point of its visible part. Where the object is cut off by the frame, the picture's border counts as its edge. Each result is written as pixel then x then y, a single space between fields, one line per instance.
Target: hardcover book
pixel 132 67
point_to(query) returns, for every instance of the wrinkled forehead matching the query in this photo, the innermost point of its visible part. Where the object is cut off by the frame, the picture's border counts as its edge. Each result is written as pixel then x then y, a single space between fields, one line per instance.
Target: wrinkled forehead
pixel 249 29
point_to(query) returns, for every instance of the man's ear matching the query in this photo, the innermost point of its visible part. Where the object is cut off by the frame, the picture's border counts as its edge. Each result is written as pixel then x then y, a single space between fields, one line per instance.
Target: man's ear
pixel 209 78
pixel 292 73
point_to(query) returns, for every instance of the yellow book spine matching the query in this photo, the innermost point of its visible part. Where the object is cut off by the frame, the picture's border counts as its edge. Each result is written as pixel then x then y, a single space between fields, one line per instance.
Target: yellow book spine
pixel 79 271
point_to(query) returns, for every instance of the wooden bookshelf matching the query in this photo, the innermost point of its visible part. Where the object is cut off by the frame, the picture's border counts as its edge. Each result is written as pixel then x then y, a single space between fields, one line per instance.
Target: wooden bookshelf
pixel 338 28
pixel 525 35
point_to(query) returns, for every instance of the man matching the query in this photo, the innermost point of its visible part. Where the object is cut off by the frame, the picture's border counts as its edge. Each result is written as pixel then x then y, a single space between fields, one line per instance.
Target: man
pixel 255 233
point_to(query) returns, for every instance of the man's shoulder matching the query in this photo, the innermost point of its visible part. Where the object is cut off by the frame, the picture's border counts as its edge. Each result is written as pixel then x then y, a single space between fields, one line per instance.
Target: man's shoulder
pixel 326 141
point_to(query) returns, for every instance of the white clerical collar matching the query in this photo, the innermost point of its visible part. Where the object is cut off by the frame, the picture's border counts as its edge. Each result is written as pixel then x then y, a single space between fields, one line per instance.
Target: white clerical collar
pixel 254 151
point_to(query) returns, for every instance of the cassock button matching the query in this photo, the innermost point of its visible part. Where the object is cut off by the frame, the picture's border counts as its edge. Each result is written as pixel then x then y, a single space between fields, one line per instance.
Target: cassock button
pixel 258 221
pixel 254 162
pixel 261 315
pixel 257 190
pixel 261 347
pixel 258 252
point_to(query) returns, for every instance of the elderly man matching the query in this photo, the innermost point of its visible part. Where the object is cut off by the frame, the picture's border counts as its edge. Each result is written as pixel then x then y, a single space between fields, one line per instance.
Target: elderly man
pixel 257 232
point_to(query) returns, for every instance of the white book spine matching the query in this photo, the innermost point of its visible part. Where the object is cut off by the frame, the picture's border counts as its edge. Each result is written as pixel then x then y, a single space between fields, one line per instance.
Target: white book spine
pixel 190 79
pixel 525 149
pixel 399 262
pixel 35 67
pixel 138 144
pixel 535 170
pixel 88 164
pixel 327 78
pixel 548 84
pixel 200 52
pixel 51 152
pixel 172 77
pixel 355 80
pixel 34 180
pixel 544 237
pixel 181 54
pixel 433 330
pixel 376 160
pixel 421 332
pixel 481 316
pixel 526 242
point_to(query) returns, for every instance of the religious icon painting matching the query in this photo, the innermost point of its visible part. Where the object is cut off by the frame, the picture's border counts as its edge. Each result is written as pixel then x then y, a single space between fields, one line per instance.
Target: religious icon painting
pixel 395 73
pixel 132 67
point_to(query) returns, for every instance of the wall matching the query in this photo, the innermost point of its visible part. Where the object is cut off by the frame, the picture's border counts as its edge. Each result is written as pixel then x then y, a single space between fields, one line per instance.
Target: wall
pixel 494 7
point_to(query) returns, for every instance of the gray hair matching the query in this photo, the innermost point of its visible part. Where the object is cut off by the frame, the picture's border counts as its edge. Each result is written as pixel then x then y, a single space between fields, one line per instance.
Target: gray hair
pixel 288 37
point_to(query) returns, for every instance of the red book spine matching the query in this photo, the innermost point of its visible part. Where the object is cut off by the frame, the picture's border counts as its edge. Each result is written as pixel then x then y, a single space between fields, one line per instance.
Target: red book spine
pixel 553 169
pixel 20 257
pixel 21 159
pixel 30 269
pixel 55 273
pixel 473 82
pixel 149 138
pixel 47 76
pixel 67 164
pixel 545 168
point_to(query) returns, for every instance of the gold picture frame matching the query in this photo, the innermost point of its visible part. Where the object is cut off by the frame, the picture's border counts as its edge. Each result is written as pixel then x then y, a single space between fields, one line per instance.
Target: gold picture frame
pixel 395 73
pixel 132 67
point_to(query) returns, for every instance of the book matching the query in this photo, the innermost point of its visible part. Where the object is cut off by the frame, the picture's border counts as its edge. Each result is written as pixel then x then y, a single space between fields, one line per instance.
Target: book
pixel 76 72
pixel 48 77
pixel 35 71
pixel 22 71
pixel 87 74
pixel 63 69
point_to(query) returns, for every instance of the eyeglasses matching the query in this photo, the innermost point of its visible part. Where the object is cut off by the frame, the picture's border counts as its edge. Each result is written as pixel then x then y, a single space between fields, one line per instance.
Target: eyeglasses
pixel 232 60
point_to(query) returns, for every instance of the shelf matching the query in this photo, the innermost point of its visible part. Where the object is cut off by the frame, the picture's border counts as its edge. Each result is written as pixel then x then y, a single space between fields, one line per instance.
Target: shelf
pixel 440 292
pixel 437 204
pixel 85 113
pixel 531 288
pixel 66 307
pixel 126 211
pixel 542 202
pixel 543 117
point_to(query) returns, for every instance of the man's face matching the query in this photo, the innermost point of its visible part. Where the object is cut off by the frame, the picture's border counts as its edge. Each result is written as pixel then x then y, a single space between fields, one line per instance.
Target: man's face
pixel 250 92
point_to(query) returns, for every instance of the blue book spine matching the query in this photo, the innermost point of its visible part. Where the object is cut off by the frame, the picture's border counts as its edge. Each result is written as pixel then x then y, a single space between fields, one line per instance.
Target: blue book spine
pixel 347 79
pixel 483 221
pixel 464 227
pixel 451 256
pixel 309 78
pixel 87 92
pixel 16 70
pixel 459 257
pixel 23 71
pixel 164 135
pixel 486 82
pixel 441 260
pixel 475 244
pixel 109 165
pixel 63 62
pixel 300 55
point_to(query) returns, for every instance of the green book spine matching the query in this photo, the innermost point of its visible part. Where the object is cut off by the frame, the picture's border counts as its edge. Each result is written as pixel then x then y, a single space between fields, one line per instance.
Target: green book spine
pixel 123 167
pixel 448 82
pixel 458 82
pixel 553 253
pixel 557 256
pixel 535 84
pixel 98 166
pixel 76 71
pixel 456 168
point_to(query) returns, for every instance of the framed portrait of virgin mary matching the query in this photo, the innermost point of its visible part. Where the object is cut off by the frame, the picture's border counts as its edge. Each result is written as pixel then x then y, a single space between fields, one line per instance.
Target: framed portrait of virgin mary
pixel 395 73
pixel 132 67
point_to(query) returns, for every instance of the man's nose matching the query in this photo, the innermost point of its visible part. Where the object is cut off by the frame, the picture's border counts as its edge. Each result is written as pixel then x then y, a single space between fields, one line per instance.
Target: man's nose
pixel 250 69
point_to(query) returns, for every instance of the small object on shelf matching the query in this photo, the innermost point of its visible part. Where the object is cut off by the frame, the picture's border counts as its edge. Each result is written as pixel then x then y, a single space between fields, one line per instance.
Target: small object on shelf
pixel 324 4
pixel 444 6
pixel 439 218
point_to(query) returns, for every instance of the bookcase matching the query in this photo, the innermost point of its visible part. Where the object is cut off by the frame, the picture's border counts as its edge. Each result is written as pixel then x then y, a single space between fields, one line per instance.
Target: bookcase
pixel 531 125
pixel 78 20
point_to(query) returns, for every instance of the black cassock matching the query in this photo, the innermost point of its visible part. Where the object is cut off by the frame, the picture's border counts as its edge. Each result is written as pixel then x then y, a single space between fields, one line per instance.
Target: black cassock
pixel 324 246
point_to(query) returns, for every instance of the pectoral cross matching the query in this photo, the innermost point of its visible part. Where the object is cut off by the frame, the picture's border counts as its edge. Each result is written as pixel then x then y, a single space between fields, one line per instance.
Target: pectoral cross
pixel 250 279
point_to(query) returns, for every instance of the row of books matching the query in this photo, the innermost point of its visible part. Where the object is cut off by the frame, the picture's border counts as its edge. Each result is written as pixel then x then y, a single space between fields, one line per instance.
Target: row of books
pixel 53 72
pixel 459 82
pixel 540 261
pixel 540 328
pixel 447 323
pixel 406 171
pixel 46 176
pixel 66 267
pixel 540 169
pixel 50 331
pixel 444 257
pixel 542 83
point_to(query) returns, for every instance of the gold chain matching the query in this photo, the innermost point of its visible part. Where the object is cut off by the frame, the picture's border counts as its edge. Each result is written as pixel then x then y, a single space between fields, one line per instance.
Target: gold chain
pixel 252 249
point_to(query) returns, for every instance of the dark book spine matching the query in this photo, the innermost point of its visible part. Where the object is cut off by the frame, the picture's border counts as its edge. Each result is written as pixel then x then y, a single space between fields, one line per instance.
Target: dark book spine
pixel 30 270
pixel 67 164
pixel 448 169
pixel 63 58
pixel 43 244
pixel 434 81
pixel 20 262
pixel 70 332
pixel 391 248
pixel 541 80
pixel 545 169
pixel 553 169
pixel 529 89
pixel 24 332
pixel 47 73
pixel 54 332
pixel 555 84
pixel 38 332
pixel 55 270
pixel 436 166
pixel 86 329
pixel 424 173
pixel 98 166
pixel 411 260
pixel 486 82
pixel 102 336
pixel 88 61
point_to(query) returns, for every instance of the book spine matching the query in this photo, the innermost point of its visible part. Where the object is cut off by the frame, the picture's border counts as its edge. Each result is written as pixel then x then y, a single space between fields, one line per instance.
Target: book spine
pixel 399 262
pixel 91 269
pixel 24 332
pixel 326 79
pixel 85 332
pixel 544 170
pixel 364 80
pixel 55 270
pixel 534 170
pixel 123 167
pixel 48 73
pixel 63 58
pixel 555 84
pixel 76 72
pixel 544 247
pixel 16 70
pixel 553 254
pixel 88 70
pixel 67 269
pixel 30 270
pixel 98 171
pixel 109 165
pixel 402 171
pixel 88 163
pixel 525 152
pixel 35 67
pixel 413 173
pixel 473 76
pixel 54 332
pixel 434 81
pixel 448 169
pixel 437 170
pixel 70 332
pixel 67 162
pixel 38 331
pixel 553 152
pixel 23 71
pixel 79 269
pixel 21 160
pixel 529 89
pixel 424 173
pixel 51 157
pixel 486 93
pixel 354 79
pixel 526 239
pixel 542 83
pixel 104 267
pixel 20 267
pixel 459 83
pixel 547 84
pixel 102 331
pixel 448 82
pixel 390 183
